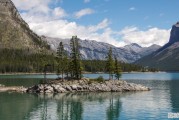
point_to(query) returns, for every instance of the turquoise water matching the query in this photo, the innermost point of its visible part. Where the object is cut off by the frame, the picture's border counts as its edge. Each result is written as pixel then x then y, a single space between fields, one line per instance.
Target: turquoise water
pixel 150 105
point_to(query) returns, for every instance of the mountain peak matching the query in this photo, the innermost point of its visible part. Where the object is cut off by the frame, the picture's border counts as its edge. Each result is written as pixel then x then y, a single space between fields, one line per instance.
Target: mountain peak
pixel 136 45
pixel 174 34
pixel 167 57
pixel 177 24
pixel 133 45
pixel 15 32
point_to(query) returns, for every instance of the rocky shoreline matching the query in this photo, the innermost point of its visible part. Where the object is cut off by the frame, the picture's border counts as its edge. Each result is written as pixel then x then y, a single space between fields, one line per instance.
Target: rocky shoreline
pixel 85 85
pixel 12 88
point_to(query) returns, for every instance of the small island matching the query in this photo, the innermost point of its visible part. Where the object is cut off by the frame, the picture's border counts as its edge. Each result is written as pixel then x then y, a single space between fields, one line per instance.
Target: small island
pixel 86 85
pixel 83 85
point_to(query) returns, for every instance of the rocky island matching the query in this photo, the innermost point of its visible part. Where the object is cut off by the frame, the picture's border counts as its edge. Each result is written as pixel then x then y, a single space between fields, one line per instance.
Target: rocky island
pixel 85 85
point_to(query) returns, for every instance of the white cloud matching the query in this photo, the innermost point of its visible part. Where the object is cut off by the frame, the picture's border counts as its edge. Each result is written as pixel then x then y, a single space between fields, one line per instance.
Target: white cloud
pixel 86 1
pixel 45 20
pixel 83 12
pixel 49 22
pixel 59 12
pixel 65 29
pixel 145 38
pixel 31 4
pixel 132 8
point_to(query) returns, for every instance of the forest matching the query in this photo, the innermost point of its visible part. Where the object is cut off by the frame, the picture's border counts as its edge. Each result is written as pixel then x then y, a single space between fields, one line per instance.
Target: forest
pixel 24 61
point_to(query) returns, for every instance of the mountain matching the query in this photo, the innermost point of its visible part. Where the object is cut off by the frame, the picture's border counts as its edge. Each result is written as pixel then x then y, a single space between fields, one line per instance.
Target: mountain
pixel 15 32
pixel 167 57
pixel 91 49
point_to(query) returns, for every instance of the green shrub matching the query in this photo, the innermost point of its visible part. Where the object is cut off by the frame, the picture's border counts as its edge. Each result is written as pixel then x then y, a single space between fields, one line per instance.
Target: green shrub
pixel 100 79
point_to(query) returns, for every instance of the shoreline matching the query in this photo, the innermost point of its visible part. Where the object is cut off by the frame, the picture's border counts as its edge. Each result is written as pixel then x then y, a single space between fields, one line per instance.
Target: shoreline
pixel 83 85
pixel 86 85
pixel 84 73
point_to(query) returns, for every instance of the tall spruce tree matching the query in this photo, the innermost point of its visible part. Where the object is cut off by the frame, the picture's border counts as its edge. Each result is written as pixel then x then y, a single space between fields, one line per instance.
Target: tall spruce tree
pixel 110 63
pixel 75 66
pixel 117 70
pixel 61 61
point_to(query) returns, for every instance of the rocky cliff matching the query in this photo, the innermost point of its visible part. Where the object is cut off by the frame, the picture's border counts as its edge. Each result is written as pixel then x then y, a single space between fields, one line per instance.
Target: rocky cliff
pixel 167 57
pixel 15 32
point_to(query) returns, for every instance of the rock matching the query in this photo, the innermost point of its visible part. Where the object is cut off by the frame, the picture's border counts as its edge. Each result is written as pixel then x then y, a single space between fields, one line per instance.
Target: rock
pixel 12 89
pixel 13 26
pixel 82 85
pixel 48 89
pixel 74 87
pixel 68 88
pixel 1 85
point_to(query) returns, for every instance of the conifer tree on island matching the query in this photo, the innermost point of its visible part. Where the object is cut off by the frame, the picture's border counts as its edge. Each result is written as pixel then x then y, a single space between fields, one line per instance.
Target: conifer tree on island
pixel 61 60
pixel 110 64
pixel 75 65
pixel 117 70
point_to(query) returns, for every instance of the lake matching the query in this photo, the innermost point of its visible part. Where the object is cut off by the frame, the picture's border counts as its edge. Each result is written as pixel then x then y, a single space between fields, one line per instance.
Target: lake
pixel 150 105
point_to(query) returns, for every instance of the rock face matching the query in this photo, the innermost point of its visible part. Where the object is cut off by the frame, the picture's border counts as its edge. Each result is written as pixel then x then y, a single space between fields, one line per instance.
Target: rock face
pixel 91 49
pixel 167 57
pixel 174 35
pixel 14 31
pixel 85 85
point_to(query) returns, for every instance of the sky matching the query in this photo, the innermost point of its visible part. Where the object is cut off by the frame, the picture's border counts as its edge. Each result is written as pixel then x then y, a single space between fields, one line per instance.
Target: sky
pixel 117 22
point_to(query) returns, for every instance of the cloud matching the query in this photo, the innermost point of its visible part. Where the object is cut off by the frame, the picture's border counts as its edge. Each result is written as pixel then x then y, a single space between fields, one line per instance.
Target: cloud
pixel 132 8
pixel 50 21
pixel 66 29
pixel 145 38
pixel 86 1
pixel 83 12
pixel 59 12
pixel 31 4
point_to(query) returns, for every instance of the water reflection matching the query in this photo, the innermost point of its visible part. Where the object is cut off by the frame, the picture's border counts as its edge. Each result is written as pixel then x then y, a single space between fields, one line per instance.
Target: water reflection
pixel 154 104
pixel 74 106
pixel 15 106
pixel 113 111
pixel 174 88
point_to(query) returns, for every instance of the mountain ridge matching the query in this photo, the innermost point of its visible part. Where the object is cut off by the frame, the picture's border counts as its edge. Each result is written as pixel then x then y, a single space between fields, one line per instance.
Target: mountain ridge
pixel 91 49
pixel 167 57
pixel 15 32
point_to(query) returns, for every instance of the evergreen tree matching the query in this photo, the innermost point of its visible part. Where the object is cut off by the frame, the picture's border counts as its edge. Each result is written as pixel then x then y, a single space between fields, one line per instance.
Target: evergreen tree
pixel 110 64
pixel 117 70
pixel 61 61
pixel 75 66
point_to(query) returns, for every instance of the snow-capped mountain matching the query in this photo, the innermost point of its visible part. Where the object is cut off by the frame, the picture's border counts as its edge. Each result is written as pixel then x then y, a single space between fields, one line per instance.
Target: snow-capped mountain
pixel 91 49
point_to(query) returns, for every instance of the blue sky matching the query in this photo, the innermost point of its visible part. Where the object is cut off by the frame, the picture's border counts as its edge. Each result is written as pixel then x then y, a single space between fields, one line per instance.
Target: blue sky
pixel 121 13
pixel 118 22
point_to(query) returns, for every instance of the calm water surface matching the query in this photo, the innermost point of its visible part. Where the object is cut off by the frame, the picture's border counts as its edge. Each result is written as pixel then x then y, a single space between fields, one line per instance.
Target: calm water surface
pixel 152 105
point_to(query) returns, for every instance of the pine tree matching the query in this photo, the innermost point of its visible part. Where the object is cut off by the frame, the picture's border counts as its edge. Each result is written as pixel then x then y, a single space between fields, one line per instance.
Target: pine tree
pixel 117 70
pixel 110 64
pixel 75 65
pixel 61 62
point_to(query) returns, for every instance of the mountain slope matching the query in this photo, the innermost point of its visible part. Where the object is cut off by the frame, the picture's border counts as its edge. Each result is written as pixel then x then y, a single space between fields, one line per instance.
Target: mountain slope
pixel 15 32
pixel 91 49
pixel 167 57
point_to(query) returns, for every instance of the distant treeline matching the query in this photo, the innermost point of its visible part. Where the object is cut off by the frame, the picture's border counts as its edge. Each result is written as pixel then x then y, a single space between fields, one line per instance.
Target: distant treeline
pixel 99 66
pixel 13 60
